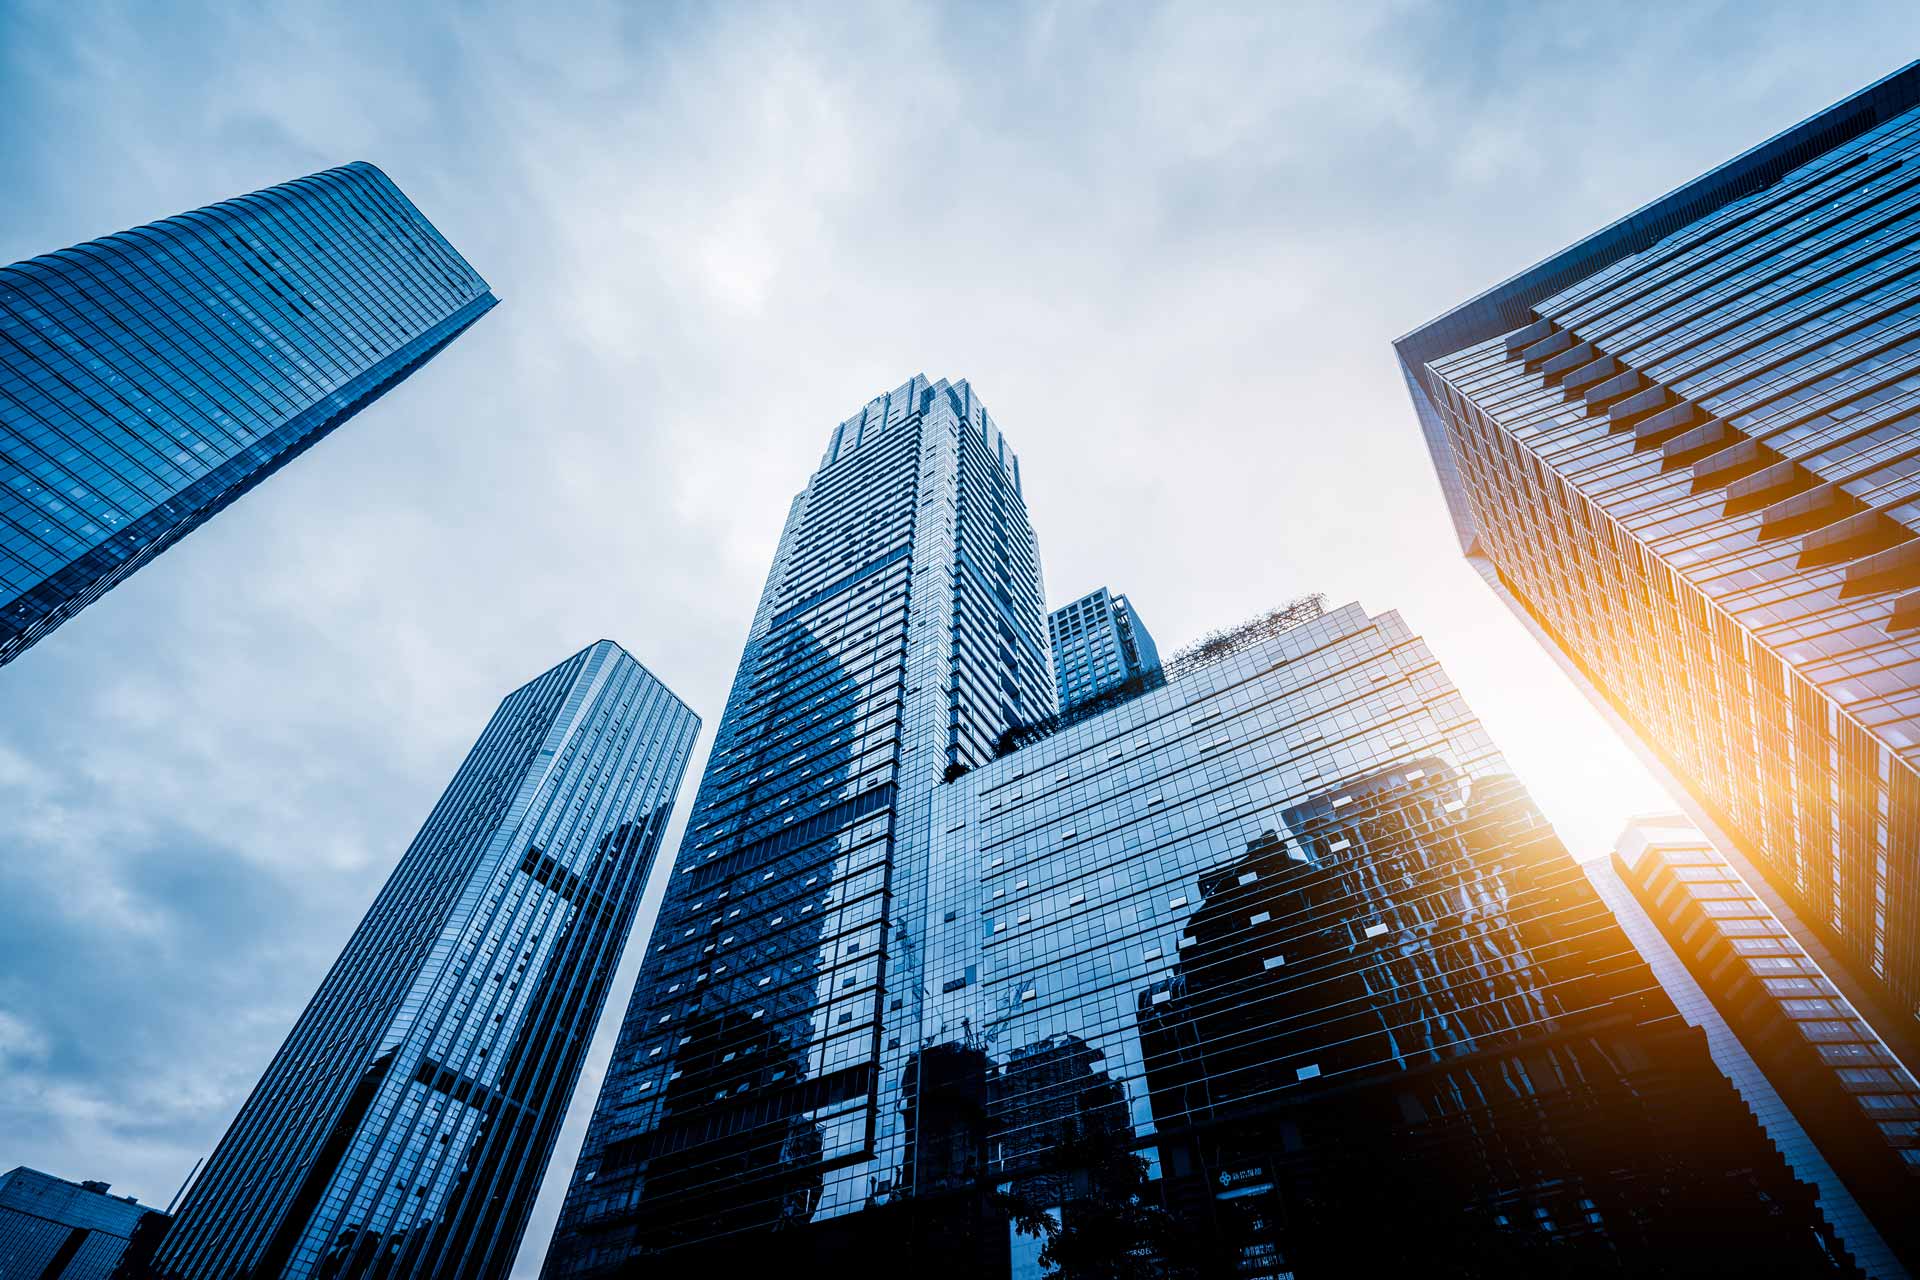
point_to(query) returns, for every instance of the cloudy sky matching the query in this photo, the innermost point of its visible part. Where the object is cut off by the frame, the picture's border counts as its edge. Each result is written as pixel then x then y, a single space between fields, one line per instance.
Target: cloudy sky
pixel 1169 249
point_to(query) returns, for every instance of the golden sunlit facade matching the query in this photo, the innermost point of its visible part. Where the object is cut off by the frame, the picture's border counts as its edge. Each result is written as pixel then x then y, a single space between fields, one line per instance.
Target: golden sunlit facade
pixel 1688 450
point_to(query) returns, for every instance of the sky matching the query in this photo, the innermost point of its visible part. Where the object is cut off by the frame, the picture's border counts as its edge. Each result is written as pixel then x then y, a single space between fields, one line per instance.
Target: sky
pixel 1169 246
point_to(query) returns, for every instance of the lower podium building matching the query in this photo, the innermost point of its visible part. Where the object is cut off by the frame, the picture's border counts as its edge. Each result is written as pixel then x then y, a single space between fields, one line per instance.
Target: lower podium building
pixel 1848 1091
pixel 52 1229
pixel 1274 971
pixel 403 1128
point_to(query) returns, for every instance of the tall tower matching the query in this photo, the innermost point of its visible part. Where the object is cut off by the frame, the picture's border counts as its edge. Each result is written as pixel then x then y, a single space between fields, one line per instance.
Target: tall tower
pixel 1099 645
pixel 149 378
pixel 403 1128
pixel 758 1079
pixel 1683 451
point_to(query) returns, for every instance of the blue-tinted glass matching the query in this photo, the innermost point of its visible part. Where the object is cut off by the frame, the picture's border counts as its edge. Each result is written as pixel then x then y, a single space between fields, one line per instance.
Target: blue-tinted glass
pixel 403 1128
pixel 50 1227
pixel 149 378
pixel 1217 968
pixel 1100 646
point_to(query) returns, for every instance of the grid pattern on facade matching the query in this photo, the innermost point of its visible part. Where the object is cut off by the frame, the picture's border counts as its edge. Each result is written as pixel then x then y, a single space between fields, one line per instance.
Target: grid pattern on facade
pixel 1849 1090
pixel 1284 942
pixel 403 1128
pixel 1099 644
pixel 1855 1230
pixel 756 1076
pixel 1695 470
pixel 149 378
pixel 52 1229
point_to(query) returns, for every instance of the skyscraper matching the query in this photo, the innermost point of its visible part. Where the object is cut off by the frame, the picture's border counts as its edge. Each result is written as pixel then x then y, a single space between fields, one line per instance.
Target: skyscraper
pixel 758 1076
pixel 1683 451
pixel 1230 972
pixel 1852 1097
pixel 403 1128
pixel 1276 970
pixel 1099 644
pixel 149 378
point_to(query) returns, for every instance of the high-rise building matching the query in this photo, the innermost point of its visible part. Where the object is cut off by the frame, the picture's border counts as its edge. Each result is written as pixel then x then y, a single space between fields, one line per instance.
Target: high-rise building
pixel 1276 970
pixel 52 1229
pixel 403 1128
pixel 1683 451
pixel 1848 1092
pixel 1099 645
pixel 149 378
pixel 1232 971
pixel 757 1080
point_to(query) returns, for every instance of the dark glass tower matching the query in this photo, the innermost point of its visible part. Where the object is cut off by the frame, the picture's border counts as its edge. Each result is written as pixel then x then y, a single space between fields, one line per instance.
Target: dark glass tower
pixel 1276 970
pixel 758 1081
pixel 403 1128
pixel 1683 450
pixel 1099 645
pixel 149 378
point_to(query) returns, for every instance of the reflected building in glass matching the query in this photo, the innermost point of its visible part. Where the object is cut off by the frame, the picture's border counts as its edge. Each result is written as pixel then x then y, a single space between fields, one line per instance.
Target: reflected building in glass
pixel 404 1126
pixel 1684 451
pixel 1277 971
pixel 1849 1094
pixel 149 378
pixel 764 1077
pixel 1099 645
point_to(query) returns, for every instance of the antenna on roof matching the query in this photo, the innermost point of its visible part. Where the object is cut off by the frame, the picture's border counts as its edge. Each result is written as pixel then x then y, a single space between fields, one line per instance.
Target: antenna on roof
pixel 183 1186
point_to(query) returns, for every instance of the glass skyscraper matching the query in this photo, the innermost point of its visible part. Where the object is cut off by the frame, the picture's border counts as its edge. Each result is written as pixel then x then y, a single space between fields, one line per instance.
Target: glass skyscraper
pixel 1683 450
pixel 1099 645
pixel 403 1128
pixel 1227 973
pixel 758 1079
pixel 149 378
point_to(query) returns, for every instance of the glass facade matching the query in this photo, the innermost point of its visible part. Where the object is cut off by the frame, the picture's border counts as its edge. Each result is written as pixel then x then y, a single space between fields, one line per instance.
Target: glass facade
pixel 52 1229
pixel 1850 1094
pixel 149 378
pixel 760 1073
pixel 1099 645
pixel 1214 981
pixel 404 1126
pixel 1685 451
pixel 1250 966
